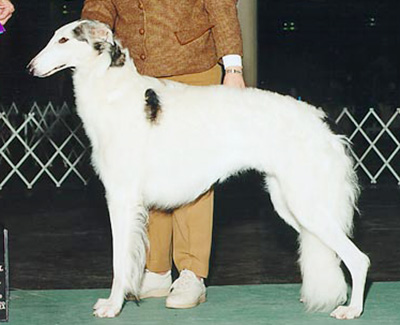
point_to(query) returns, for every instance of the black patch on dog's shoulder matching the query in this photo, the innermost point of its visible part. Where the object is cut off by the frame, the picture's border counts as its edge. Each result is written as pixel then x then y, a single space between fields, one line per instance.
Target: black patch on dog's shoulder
pixel 153 107
pixel 117 57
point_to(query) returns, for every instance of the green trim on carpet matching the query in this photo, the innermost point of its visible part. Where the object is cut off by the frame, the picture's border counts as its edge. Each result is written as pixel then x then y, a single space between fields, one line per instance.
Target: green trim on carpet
pixel 245 305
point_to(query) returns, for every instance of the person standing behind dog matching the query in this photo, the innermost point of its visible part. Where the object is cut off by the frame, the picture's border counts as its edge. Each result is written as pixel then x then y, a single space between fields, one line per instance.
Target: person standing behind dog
pixel 181 41
pixel 6 11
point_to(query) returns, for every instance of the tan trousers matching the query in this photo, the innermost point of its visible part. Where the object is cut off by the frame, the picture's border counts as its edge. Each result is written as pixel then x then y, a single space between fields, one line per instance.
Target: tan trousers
pixel 185 234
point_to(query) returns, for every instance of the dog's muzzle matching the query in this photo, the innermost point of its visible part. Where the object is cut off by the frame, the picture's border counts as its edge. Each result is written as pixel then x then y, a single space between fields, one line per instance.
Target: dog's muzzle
pixel 30 68
pixel 33 70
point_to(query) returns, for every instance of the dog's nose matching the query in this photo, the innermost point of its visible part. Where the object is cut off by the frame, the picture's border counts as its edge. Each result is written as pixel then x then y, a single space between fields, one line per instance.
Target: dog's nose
pixel 30 68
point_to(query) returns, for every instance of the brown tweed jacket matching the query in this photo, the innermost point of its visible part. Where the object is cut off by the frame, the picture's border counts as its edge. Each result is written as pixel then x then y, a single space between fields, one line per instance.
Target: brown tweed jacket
pixel 171 37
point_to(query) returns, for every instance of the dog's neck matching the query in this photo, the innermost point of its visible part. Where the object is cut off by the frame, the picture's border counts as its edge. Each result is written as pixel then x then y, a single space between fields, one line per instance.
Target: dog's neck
pixel 98 79
pixel 104 64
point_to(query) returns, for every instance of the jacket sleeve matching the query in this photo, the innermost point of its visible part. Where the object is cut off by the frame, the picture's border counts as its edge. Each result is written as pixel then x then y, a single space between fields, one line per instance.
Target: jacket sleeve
pixel 101 10
pixel 226 31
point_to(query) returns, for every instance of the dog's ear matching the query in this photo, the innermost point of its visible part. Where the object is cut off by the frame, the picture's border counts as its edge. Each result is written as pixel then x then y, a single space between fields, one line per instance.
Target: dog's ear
pixel 96 32
pixel 101 33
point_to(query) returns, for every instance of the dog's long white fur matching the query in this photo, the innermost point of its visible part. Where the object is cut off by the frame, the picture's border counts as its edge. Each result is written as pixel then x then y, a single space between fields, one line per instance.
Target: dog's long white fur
pixel 200 136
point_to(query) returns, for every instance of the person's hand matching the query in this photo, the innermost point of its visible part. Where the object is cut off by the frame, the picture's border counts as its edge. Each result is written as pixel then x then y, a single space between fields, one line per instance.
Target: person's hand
pixel 234 77
pixel 6 11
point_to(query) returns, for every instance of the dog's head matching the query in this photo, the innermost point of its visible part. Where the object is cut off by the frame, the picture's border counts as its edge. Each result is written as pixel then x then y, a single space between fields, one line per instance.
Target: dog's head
pixel 75 44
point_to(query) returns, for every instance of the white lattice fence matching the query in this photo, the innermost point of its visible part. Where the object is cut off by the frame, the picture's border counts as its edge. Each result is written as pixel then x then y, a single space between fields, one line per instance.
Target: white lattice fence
pixel 45 143
pixel 376 143
pixel 48 143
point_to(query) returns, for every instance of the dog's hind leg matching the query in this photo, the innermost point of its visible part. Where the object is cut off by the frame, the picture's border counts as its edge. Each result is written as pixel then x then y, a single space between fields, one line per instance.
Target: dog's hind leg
pixel 356 262
pixel 323 278
pixel 322 237
pixel 279 202
pixel 128 225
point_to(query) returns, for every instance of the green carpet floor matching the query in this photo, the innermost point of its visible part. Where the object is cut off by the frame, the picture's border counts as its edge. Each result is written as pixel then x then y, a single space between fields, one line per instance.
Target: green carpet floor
pixel 245 305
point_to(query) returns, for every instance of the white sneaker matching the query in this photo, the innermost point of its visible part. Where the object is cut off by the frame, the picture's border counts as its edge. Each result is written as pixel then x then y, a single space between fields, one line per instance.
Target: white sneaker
pixel 187 291
pixel 155 285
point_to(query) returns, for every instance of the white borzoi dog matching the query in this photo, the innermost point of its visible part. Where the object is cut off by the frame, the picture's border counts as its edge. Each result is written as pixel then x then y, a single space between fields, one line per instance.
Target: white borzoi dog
pixel 162 144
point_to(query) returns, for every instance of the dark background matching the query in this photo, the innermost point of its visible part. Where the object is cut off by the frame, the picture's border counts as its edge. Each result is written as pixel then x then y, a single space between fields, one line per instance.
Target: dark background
pixel 330 53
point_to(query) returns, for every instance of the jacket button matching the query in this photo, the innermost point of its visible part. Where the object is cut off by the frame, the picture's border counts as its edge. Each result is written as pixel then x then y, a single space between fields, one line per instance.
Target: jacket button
pixel 143 57
pixel 141 31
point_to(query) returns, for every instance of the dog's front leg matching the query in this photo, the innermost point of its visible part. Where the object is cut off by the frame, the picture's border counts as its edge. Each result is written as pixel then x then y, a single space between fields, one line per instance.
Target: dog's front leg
pixel 128 224
pixel 111 307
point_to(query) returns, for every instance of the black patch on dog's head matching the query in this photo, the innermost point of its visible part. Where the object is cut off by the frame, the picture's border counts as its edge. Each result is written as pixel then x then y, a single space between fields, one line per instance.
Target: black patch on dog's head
pixel 117 56
pixel 153 107
pixel 100 36
pixel 99 47
pixel 79 34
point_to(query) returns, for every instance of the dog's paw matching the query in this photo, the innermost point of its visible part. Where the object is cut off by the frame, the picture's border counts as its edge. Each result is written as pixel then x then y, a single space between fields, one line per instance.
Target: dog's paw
pixel 346 312
pixel 106 308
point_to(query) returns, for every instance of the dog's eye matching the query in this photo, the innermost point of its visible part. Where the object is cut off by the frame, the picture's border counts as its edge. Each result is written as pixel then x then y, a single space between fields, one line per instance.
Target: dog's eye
pixel 63 40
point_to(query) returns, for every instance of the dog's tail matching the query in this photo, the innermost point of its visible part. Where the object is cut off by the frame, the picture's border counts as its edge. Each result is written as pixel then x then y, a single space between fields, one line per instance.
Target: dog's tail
pixel 324 286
